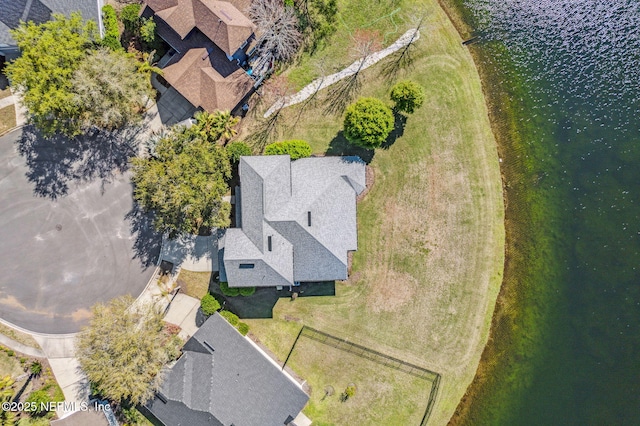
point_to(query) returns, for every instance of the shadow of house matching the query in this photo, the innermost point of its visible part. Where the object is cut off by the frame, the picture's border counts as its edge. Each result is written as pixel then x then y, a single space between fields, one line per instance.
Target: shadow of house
pixel 261 303
pixel 53 163
pixel 209 41
pixel 39 11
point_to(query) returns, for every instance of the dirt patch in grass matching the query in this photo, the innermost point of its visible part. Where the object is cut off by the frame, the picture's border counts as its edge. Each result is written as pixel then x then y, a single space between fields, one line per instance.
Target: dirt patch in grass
pixel 7 118
pixel 390 291
pixel 194 284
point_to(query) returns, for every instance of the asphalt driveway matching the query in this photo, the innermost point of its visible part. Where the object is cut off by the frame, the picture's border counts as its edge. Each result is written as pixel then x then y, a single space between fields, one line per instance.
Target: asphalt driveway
pixel 69 236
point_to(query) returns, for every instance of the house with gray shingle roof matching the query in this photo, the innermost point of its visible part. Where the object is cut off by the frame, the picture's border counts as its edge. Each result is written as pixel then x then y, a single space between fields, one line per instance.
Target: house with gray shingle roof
pixel 222 378
pixel 296 221
pixel 39 11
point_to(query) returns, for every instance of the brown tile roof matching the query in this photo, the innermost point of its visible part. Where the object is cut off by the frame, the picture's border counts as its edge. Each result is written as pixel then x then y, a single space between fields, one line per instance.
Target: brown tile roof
pixel 221 21
pixel 208 79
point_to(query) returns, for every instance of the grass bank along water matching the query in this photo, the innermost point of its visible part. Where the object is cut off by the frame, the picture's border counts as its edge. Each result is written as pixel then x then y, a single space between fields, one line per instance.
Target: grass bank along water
pixel 561 82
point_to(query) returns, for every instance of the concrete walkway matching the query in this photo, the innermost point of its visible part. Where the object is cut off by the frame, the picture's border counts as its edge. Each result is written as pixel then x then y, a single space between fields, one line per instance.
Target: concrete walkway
pixel 19 347
pixel 361 64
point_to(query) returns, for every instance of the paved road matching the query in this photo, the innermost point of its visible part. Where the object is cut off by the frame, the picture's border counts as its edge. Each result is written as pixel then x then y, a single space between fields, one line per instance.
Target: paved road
pixel 69 245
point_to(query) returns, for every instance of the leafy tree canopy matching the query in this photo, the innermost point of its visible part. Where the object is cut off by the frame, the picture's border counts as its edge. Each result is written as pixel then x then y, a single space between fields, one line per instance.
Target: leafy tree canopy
pixel 294 148
pixel 51 52
pixel 368 122
pixel 70 83
pixel 110 99
pixel 123 350
pixel 408 96
pixel 183 184
pixel 237 150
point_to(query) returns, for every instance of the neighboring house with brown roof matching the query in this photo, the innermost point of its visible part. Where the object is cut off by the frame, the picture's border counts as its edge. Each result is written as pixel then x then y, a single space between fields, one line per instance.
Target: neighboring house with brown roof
pixel 208 40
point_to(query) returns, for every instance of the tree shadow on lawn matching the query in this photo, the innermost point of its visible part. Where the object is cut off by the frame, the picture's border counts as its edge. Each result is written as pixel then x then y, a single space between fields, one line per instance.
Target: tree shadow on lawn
pixel 399 123
pixel 147 242
pixel 261 303
pixel 339 145
pixel 56 161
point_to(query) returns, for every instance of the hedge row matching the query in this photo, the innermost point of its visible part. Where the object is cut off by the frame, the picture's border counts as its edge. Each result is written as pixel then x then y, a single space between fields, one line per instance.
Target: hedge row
pixel 233 319
pixel 294 148
pixel 111 37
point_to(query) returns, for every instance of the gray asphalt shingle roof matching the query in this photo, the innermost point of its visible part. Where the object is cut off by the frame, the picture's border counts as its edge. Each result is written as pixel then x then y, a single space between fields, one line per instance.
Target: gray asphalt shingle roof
pixel 233 384
pixel 39 11
pixel 278 199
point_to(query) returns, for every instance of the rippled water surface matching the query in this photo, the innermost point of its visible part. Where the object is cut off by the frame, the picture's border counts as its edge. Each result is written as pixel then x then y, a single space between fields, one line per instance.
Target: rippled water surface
pixel 579 116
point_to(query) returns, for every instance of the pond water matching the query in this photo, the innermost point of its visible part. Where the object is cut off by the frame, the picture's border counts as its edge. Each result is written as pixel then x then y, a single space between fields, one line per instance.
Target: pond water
pixel 572 68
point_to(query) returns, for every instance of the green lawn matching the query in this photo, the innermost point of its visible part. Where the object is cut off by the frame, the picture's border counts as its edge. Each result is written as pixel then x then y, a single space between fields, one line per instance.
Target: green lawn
pixel 194 284
pixel 431 231
pixel 383 394
pixel 7 118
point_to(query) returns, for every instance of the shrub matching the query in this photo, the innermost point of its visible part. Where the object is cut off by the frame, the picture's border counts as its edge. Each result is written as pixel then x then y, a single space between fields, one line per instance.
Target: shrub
pixel 10 352
pixel 209 305
pixel 294 148
pixel 247 291
pixel 227 291
pixel 231 317
pixel 35 368
pixel 243 328
pixel 368 122
pixel 237 150
pixel 148 30
pixel 408 96
pixel 130 16
pixel 38 400
pixel 111 37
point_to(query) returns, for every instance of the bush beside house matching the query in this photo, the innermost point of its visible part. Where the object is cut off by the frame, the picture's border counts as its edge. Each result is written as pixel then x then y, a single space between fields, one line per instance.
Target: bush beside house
pixel 294 148
pixel 111 37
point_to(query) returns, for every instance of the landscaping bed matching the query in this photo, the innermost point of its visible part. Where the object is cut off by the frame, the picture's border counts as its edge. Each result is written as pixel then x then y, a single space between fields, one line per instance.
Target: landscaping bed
pixel 32 382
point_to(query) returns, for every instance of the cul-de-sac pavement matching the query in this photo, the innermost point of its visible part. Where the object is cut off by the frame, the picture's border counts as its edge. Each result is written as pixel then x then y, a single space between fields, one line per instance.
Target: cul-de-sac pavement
pixel 70 236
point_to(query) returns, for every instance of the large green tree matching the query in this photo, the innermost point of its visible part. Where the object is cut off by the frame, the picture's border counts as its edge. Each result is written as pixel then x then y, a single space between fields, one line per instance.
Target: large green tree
pixel 51 52
pixel 368 122
pixel 109 89
pixel 183 183
pixel 70 83
pixel 123 350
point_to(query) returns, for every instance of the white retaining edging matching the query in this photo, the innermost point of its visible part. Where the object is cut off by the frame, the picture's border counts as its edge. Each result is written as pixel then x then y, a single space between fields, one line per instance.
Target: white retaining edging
pixel 320 83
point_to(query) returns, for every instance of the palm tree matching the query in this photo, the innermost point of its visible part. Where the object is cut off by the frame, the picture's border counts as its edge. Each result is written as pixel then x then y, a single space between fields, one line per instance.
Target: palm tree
pixel 226 123
pixel 214 127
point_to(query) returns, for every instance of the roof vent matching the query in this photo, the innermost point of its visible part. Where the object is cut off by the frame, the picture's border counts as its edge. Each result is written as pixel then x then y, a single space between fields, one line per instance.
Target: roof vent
pixel 208 346
pixel 269 243
pixel 308 218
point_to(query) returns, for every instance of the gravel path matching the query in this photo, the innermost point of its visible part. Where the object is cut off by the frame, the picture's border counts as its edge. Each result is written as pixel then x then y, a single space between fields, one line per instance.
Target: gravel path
pixel 320 83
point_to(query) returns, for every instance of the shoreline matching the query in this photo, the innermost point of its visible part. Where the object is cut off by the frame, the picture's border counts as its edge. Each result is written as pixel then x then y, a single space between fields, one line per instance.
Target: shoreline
pixel 516 327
